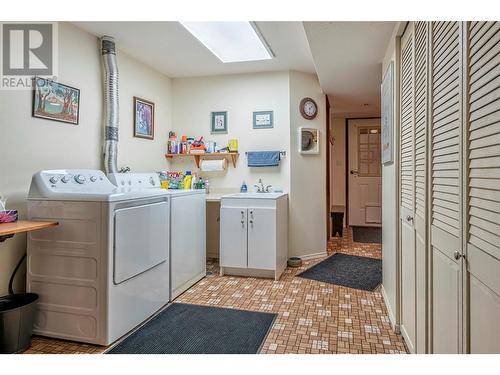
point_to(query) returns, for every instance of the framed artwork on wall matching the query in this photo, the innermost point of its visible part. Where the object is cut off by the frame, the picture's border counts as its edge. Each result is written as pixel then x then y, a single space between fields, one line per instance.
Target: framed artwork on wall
pixel 219 122
pixel 55 101
pixel 144 118
pixel 308 141
pixel 263 120
pixel 387 120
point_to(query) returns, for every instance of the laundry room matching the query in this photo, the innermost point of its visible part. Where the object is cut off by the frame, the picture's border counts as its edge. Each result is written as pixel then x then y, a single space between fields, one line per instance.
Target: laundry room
pixel 199 183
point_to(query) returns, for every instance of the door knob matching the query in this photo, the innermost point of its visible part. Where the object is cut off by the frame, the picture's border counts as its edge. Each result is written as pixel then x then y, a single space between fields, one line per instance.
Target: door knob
pixel 457 255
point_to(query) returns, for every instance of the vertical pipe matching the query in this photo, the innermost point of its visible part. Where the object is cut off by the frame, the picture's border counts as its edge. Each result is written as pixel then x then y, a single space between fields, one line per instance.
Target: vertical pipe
pixel 111 105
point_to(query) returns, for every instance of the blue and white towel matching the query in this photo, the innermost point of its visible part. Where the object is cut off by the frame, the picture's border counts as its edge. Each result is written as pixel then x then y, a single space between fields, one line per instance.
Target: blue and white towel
pixel 263 158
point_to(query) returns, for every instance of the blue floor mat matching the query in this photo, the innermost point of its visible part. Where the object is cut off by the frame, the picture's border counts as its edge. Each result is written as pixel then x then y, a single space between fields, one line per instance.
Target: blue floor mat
pixel 347 270
pixel 194 329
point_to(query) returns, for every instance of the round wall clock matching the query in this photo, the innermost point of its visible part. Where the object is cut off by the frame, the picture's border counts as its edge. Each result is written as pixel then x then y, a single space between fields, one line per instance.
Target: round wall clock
pixel 308 108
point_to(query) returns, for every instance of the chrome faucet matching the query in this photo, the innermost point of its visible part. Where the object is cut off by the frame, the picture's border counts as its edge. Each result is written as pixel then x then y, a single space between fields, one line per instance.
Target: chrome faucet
pixel 262 188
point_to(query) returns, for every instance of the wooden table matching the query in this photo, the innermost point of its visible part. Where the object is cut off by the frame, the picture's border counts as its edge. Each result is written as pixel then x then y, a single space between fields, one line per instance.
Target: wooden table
pixel 8 230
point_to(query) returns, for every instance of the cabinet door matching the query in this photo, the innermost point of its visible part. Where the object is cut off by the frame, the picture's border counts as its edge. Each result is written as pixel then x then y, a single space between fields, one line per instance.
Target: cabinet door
pixel 233 237
pixel 262 238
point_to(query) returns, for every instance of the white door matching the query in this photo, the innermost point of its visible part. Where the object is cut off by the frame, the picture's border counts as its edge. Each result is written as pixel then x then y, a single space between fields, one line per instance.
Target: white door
pixel 233 237
pixel 407 183
pixel 420 174
pixel 446 176
pixel 365 178
pixel 483 168
pixel 262 238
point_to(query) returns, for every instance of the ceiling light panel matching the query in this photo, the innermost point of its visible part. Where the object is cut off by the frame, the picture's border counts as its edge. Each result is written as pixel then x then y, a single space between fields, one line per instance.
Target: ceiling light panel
pixel 231 41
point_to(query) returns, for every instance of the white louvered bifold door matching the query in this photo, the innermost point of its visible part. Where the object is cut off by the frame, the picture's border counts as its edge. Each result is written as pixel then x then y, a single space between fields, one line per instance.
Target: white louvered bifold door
pixel 421 119
pixel 483 244
pixel 407 188
pixel 446 177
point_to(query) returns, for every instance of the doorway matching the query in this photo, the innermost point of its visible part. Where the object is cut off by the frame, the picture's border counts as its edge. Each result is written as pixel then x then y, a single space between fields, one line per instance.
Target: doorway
pixel 364 173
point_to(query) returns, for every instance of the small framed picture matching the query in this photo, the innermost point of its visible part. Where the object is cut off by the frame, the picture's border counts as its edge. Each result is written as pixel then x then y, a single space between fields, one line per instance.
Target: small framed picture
pixel 219 122
pixel 55 101
pixel 144 118
pixel 263 120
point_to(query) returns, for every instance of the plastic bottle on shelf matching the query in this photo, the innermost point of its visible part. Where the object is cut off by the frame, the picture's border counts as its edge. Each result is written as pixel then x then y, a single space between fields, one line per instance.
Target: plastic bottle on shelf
pixel 184 145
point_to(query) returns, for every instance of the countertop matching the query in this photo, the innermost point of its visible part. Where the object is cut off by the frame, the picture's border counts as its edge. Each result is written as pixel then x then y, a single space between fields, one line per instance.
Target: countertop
pixel 215 195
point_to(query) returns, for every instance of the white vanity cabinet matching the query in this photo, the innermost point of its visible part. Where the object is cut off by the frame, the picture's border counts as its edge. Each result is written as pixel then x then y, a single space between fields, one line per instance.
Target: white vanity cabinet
pixel 254 234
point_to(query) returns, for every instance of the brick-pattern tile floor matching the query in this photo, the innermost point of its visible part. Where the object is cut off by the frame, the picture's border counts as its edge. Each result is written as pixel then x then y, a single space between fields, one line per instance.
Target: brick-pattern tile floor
pixel 313 317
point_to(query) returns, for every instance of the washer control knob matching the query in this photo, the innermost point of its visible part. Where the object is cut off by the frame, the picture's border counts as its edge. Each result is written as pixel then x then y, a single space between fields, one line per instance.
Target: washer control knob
pixel 53 179
pixel 80 179
pixel 93 178
pixel 65 179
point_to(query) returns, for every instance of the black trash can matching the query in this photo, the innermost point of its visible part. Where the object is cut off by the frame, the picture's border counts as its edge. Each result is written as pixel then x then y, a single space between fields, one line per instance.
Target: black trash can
pixel 17 314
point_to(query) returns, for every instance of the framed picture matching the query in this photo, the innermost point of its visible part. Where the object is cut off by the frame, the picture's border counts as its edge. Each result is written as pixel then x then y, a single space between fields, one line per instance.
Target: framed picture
pixel 144 118
pixel 263 120
pixel 219 122
pixel 55 101
pixel 308 141
pixel 387 120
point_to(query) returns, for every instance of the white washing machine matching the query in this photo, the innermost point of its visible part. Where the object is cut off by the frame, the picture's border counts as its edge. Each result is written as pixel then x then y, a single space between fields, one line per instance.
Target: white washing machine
pixel 187 228
pixel 105 268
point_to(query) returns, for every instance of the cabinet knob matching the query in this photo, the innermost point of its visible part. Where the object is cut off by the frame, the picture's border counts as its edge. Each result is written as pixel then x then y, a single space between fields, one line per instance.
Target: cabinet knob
pixel 457 255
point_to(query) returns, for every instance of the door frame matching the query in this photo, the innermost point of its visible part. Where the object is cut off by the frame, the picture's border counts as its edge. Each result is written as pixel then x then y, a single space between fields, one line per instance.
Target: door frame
pixel 328 146
pixel 346 140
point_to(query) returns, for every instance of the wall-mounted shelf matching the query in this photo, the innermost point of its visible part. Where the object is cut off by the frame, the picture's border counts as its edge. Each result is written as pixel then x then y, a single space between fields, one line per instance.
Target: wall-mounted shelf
pixel 233 156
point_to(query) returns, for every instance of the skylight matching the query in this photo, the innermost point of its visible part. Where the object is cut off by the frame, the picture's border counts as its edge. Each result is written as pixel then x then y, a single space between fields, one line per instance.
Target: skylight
pixel 231 41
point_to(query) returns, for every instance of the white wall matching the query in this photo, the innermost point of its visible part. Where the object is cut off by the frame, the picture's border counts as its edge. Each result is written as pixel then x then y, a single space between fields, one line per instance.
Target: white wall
pixel 29 144
pixel 307 216
pixel 304 177
pixel 240 95
pixel 390 201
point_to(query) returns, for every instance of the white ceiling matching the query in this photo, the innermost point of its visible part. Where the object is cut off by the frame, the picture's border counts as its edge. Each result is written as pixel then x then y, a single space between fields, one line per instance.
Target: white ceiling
pixel 170 49
pixel 348 58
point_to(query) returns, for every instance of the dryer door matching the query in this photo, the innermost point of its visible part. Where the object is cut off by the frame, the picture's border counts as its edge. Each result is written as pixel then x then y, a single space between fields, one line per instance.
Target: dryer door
pixel 140 239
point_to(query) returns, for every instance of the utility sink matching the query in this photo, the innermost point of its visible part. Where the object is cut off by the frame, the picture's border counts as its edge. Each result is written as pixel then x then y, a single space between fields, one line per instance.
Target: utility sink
pixel 255 195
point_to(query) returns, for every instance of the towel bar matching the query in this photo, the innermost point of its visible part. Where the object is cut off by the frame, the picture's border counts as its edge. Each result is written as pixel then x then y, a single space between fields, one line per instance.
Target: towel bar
pixel 282 153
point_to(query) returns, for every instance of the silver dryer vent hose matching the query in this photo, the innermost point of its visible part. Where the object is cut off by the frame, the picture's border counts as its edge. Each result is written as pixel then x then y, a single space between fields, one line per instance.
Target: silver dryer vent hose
pixel 111 105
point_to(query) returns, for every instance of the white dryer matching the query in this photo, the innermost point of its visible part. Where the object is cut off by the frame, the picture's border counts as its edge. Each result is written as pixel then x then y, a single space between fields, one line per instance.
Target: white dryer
pixel 187 228
pixel 105 268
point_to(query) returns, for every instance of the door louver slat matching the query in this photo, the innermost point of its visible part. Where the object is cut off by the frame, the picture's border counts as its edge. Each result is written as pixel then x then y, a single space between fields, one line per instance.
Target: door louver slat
pixel 445 107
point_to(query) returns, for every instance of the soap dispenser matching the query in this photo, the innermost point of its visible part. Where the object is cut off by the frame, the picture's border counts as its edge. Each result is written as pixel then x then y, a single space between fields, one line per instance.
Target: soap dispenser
pixel 244 187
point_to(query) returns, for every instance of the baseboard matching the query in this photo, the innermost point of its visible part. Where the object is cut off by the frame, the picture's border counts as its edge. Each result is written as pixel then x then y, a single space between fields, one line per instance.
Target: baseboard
pixel 392 317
